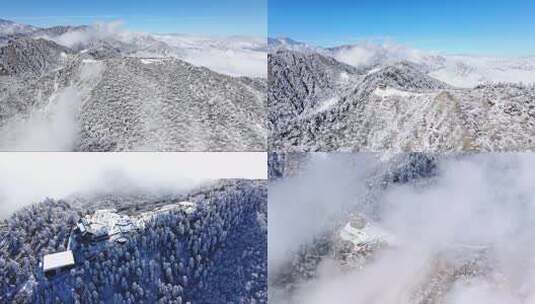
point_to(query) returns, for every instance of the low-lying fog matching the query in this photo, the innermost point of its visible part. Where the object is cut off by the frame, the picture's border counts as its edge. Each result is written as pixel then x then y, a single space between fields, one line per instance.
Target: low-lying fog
pixel 482 201
pixel 27 178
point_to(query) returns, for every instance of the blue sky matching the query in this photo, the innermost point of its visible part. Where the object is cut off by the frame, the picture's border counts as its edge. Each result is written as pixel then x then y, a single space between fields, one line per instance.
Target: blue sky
pixel 453 26
pixel 218 17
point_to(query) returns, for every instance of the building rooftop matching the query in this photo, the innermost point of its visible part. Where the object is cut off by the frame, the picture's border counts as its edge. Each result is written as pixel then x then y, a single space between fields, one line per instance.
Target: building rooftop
pixel 108 221
pixel 58 260
pixel 188 207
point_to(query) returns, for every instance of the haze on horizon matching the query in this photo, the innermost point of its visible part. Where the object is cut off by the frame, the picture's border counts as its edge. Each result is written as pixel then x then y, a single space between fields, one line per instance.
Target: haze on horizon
pixel 202 17
pixel 479 27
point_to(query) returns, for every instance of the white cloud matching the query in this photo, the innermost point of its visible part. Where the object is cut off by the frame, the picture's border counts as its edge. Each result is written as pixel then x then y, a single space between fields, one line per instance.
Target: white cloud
pixel 303 207
pixel 371 53
pixel 234 55
pixel 457 70
pixel 26 178
pixel 231 62
pixel 480 292
pixel 97 31
pixel 476 201
pixel 54 126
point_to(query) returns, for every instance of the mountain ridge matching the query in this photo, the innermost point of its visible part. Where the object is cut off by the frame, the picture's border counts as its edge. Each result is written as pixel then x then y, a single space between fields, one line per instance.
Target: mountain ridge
pixel 122 94
pixel 394 107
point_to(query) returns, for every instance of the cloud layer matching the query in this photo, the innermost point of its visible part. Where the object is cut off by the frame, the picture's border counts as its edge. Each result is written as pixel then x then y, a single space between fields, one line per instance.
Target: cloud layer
pixel 27 178
pixel 479 201
pixel 52 126
pixel 233 55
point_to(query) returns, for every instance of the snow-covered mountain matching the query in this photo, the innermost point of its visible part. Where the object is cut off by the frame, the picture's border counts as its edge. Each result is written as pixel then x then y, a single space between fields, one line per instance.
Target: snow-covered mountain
pixel 407 228
pixel 119 104
pixel 300 83
pixel 8 27
pixel 102 88
pixel 458 70
pixel 283 43
pixel 30 56
pixel 379 98
pixel 207 245
pixel 232 55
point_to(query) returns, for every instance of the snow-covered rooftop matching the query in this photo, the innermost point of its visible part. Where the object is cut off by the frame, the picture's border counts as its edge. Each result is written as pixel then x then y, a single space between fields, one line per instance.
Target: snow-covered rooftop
pixel 110 221
pixel 188 207
pixel 152 60
pixel 386 92
pixel 58 260
pixel 368 233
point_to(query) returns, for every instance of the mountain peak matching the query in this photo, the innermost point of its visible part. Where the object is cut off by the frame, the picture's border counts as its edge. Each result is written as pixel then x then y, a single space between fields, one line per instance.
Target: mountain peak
pixel 8 27
pixel 275 44
pixel 283 40
pixel 5 21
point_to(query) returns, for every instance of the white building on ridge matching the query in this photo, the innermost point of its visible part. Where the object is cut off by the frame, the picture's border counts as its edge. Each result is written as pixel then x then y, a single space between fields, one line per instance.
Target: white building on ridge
pixel 56 263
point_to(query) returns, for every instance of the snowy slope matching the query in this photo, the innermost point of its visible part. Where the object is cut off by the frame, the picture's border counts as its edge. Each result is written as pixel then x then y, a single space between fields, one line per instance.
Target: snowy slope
pixel 216 252
pixel 103 88
pixel 231 55
pixel 168 104
pixel 392 101
pixel 31 56
pixel 304 83
pixel 133 104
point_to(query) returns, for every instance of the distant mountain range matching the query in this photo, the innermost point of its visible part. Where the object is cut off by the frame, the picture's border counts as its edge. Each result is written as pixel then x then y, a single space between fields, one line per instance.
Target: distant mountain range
pixel 390 98
pixel 100 88
pixel 8 27
pixel 232 55
pixel 457 70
